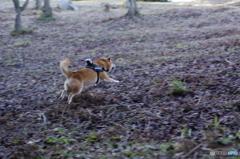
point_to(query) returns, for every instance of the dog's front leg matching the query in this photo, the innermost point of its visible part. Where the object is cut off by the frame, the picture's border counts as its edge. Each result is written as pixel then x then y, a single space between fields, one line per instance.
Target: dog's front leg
pixel 111 80
pixel 105 77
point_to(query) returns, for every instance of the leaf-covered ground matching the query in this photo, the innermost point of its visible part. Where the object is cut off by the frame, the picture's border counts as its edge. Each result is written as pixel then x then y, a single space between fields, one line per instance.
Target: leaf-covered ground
pixel 178 95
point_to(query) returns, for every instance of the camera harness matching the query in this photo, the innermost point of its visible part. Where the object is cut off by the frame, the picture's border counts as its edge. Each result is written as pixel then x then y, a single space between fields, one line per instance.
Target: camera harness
pixel 94 67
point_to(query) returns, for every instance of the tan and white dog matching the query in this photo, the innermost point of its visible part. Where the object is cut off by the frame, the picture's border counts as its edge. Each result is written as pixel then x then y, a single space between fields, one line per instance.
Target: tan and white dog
pixel 84 77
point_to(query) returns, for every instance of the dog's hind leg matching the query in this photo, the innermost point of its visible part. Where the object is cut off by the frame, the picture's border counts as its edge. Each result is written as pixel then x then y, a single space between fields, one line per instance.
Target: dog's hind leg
pixel 75 91
pixel 64 92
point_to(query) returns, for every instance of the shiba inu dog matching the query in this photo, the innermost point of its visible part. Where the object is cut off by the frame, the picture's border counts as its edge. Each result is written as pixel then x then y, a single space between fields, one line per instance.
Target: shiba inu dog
pixel 92 74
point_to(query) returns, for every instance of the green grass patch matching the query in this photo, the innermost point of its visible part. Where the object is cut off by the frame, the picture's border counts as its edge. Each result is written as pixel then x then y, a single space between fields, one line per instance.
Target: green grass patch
pixel 25 30
pixel 22 43
pixel 177 88
pixel 43 16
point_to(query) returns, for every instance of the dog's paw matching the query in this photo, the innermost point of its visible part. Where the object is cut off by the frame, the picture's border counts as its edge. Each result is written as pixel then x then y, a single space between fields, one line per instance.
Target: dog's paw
pixel 116 81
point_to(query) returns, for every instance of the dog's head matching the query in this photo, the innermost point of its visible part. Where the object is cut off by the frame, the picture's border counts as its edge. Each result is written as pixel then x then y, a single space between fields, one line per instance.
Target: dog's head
pixel 105 63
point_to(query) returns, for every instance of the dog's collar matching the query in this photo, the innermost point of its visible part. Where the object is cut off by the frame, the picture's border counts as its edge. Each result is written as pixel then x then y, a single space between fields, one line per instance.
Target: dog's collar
pixel 94 67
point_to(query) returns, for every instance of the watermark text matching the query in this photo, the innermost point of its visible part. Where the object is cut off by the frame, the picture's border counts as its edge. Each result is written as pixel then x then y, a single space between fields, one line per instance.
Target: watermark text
pixel 223 153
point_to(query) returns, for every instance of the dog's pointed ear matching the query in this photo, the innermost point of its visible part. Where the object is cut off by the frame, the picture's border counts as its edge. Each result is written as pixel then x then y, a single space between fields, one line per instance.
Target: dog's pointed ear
pixel 109 58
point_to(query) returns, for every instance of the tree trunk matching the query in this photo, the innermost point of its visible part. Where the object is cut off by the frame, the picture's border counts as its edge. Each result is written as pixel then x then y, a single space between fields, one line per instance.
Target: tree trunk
pixel 38 3
pixel 18 9
pixel 18 23
pixel 47 10
pixel 132 8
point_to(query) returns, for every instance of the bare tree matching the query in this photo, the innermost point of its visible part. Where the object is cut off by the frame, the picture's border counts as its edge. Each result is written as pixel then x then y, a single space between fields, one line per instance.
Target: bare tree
pixel 38 3
pixel 47 10
pixel 132 11
pixel 18 9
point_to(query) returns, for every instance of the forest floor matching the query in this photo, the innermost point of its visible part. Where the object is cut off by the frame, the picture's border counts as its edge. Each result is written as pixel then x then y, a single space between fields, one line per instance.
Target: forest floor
pixel 178 95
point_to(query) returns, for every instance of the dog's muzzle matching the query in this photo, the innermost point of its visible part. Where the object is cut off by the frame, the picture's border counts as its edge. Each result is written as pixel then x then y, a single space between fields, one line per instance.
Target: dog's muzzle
pixel 113 67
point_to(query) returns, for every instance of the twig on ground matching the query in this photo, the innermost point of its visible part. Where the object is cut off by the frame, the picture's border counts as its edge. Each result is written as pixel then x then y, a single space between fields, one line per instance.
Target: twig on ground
pixel 195 61
pixel 191 151
pixel 44 119
pixel 230 63
pixel 199 100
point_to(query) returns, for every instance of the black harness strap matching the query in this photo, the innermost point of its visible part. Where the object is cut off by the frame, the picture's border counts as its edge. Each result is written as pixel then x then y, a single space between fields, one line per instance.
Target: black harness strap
pixel 97 77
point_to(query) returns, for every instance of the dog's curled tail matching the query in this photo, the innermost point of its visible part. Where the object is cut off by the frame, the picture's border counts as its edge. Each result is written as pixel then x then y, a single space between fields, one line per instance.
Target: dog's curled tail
pixel 64 67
